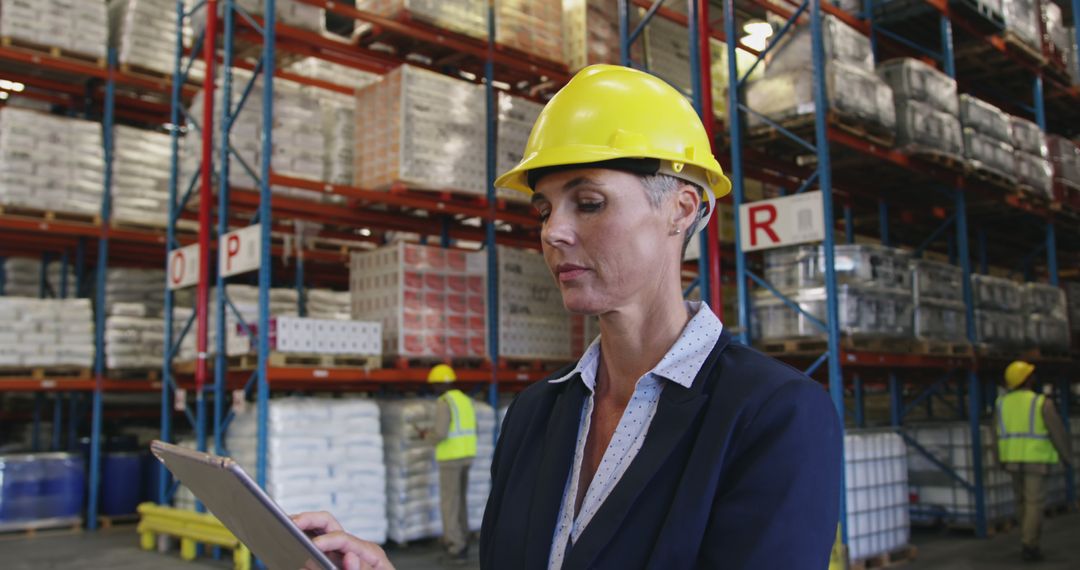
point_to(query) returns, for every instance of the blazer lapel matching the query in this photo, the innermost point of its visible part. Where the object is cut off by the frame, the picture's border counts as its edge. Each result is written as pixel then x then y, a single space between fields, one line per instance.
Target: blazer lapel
pixel 675 413
pixel 560 442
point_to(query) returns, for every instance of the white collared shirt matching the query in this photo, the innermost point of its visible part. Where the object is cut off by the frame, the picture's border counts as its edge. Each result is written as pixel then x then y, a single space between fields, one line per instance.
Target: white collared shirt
pixel 681 365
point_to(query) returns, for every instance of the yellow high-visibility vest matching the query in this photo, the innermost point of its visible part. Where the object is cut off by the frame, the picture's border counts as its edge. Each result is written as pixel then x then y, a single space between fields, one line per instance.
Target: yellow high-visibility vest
pixel 460 442
pixel 1022 433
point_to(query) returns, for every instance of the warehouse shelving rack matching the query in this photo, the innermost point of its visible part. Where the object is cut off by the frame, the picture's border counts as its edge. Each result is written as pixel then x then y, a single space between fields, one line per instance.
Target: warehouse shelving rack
pixel 443 215
pixel 941 191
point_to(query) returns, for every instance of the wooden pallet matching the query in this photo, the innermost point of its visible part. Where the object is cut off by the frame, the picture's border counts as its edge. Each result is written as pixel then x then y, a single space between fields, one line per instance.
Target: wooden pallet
pixel 51 215
pixel 150 374
pixel 1027 50
pixel 107 522
pixel 803 125
pixel 46 372
pixel 942 348
pixel 945 160
pixel 993 176
pixel 900 556
pixel 29 529
pixel 1048 354
pixel 861 343
pixel 998 352
pixel 52 51
pixel 286 360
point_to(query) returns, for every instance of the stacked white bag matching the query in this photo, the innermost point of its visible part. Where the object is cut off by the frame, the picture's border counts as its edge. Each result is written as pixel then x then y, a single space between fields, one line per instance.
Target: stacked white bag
pixel 141 176
pixel 412 478
pixel 134 337
pixel 144 33
pixel 130 285
pixel 328 304
pixel 322 455
pixel 22 277
pixel 412 474
pixel 81 27
pixel 46 332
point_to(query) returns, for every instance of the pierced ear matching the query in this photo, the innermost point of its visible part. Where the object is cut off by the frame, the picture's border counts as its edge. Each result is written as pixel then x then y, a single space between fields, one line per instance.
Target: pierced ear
pixel 688 204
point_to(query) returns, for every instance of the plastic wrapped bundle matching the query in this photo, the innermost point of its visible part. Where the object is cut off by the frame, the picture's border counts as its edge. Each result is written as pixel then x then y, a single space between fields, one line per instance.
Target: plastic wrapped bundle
pixel 852 92
pixel 80 27
pixel 130 285
pixel 996 293
pixel 421 129
pixel 1047 332
pixel 335 73
pixel 940 320
pixel 22 278
pixel 875 465
pixel 480 472
pixel 999 329
pixel 1072 56
pixel 842 43
pixel 144 33
pixel 935 280
pixel 984 118
pixel 1056 36
pixel 1044 299
pixel 46 332
pixel 327 304
pixel 533 323
pixel 141 176
pixel 133 341
pixel 516 118
pixel 412 481
pixel 856 264
pixel 339 129
pixel 1022 19
pixel 1065 158
pixel 48 162
pixel 322 454
pixel 988 153
pixel 1035 172
pixel 863 310
pixel 1027 137
pixel 911 79
pixel 921 128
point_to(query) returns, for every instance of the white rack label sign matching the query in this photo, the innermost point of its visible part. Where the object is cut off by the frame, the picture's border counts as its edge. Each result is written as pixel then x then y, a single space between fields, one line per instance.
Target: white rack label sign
pixel 239 251
pixel 184 267
pixel 790 220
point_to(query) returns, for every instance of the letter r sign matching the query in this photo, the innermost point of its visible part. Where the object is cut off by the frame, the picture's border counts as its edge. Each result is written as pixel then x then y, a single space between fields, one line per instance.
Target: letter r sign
pixel 783 221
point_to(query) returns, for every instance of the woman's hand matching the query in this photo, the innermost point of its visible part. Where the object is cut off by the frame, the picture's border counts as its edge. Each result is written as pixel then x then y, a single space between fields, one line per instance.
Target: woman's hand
pixel 329 537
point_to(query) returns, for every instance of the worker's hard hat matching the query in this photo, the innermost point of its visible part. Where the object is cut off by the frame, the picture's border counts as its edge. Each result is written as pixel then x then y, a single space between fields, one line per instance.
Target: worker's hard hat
pixel 1017 373
pixel 609 116
pixel 441 374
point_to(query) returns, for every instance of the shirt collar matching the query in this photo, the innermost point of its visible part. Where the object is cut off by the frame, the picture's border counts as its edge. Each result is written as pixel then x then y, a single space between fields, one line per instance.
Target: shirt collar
pixel 681 363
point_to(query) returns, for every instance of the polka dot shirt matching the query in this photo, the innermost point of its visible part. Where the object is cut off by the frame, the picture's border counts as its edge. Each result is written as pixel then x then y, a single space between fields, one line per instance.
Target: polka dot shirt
pixel 680 365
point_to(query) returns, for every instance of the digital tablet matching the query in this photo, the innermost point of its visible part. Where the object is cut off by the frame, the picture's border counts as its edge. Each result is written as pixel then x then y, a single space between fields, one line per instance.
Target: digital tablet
pixel 252 516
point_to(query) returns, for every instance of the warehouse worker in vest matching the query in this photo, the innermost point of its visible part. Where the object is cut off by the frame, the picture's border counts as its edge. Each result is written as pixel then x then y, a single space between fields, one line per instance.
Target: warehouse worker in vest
pixel 1030 438
pixel 455 434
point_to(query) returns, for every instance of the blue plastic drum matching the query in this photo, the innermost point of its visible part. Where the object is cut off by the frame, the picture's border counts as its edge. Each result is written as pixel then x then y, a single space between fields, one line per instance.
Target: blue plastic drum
pixel 121 483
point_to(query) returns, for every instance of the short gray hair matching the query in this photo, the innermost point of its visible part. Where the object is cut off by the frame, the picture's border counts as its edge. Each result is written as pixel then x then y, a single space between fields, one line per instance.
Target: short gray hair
pixel 659 186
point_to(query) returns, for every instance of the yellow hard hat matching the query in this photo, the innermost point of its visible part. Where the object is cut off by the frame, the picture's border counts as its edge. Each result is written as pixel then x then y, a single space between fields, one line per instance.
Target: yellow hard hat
pixel 441 374
pixel 1017 373
pixel 610 112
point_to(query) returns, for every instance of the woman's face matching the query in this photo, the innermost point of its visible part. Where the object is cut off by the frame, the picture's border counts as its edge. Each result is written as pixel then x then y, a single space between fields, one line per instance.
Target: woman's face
pixel 606 245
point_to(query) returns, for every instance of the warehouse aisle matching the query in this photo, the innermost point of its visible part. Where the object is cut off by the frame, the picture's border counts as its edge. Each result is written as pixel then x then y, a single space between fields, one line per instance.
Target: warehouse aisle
pixel 116 549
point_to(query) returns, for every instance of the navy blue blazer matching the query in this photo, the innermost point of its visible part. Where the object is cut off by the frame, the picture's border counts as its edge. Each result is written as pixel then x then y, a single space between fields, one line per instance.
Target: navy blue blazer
pixel 739 471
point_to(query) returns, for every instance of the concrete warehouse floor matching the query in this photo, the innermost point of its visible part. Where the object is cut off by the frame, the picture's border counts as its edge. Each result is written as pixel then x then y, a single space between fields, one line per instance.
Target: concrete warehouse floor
pixel 116 549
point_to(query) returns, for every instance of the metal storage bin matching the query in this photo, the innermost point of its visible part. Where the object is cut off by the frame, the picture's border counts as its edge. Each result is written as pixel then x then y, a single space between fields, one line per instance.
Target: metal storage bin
pixel 985 118
pixel 995 293
pixel 1035 172
pixel 842 43
pixel 920 127
pixel 862 310
pixel 1027 136
pixel 933 280
pixel 940 320
pixel 856 264
pixel 1044 299
pixel 852 92
pixel 998 328
pixel 912 79
pixel 1047 332
pixel 989 154
pixel 1065 158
